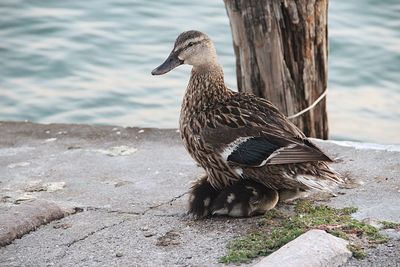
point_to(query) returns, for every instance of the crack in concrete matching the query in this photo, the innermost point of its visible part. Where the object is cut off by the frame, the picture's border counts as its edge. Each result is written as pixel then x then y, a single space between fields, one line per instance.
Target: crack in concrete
pixel 90 208
pixel 102 209
pixel 165 203
pixel 168 215
pixel 77 209
pixel 94 232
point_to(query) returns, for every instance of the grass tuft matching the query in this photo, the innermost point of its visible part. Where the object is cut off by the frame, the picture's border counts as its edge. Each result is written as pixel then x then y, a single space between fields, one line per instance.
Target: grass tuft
pixel 276 229
pixel 390 225
pixel 358 251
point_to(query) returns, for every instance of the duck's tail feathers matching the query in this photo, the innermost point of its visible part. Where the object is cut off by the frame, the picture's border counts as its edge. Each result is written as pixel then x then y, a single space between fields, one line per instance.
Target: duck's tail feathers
pixel 326 179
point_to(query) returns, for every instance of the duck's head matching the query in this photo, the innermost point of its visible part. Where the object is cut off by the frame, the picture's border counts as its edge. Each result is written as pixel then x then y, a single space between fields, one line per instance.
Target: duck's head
pixel 193 48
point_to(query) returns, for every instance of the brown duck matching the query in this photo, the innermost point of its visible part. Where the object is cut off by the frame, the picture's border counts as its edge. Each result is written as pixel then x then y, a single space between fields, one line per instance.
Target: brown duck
pixel 249 150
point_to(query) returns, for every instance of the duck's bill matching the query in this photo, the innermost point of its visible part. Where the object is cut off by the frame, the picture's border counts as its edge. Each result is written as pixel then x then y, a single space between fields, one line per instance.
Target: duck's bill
pixel 169 64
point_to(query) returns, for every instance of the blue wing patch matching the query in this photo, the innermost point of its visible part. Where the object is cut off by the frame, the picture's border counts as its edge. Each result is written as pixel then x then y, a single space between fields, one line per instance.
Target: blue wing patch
pixel 252 152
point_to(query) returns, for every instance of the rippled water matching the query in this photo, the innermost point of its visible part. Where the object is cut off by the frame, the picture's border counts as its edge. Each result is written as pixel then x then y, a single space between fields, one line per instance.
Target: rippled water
pixel 90 62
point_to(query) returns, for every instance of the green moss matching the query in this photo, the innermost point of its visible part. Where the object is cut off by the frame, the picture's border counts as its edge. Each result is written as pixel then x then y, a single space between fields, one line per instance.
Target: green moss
pixel 276 229
pixel 274 214
pixel 390 225
pixel 358 251
pixel 339 233
pixel 361 228
pixel 259 244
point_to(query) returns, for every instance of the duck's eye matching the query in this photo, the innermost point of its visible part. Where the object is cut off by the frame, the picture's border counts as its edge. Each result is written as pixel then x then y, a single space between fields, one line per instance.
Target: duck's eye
pixel 190 44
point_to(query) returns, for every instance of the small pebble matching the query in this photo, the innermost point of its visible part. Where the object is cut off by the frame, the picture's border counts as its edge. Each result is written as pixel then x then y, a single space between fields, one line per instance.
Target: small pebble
pixel 148 234
pixel 62 226
pixel 119 254
pixel 4 198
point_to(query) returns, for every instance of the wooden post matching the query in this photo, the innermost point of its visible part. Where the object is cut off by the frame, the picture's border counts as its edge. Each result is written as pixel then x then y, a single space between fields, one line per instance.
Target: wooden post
pixel 281 55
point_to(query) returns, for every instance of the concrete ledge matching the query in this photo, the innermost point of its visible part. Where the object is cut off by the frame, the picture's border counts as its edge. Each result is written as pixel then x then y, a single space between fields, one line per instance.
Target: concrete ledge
pixel 131 184
pixel 316 248
pixel 26 217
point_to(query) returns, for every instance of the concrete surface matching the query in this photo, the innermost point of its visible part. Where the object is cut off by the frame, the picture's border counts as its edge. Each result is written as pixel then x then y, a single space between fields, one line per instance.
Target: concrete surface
pixel 387 255
pixel 27 217
pixel 315 248
pixel 131 186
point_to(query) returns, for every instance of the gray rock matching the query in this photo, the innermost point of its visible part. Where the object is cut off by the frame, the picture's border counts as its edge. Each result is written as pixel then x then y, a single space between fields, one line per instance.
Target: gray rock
pixel 27 217
pixel 391 233
pixel 314 248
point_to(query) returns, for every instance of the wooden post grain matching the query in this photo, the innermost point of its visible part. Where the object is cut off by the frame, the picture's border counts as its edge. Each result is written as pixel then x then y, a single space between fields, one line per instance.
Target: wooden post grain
pixel 281 55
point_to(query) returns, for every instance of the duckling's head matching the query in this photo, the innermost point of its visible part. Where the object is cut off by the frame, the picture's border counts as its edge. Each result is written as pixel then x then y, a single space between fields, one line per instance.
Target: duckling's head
pixel 191 47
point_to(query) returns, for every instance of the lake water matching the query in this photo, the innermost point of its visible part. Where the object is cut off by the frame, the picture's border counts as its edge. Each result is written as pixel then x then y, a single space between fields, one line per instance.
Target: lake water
pixel 90 61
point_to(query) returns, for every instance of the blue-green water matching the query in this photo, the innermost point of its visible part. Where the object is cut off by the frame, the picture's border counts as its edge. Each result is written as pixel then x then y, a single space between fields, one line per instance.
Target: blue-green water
pixel 90 61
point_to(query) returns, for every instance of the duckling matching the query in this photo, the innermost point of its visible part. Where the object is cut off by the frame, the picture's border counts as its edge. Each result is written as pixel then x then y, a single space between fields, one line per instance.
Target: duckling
pixel 237 136
pixel 201 197
pixel 245 198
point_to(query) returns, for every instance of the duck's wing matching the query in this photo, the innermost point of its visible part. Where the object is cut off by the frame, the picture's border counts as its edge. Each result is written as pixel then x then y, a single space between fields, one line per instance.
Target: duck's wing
pixel 260 150
pixel 251 132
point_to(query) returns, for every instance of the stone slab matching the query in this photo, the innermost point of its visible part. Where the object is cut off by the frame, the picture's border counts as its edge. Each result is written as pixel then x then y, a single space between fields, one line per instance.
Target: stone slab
pixel 315 248
pixel 27 217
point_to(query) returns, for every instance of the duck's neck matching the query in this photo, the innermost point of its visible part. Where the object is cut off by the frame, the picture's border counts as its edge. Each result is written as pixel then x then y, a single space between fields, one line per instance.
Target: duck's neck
pixel 206 87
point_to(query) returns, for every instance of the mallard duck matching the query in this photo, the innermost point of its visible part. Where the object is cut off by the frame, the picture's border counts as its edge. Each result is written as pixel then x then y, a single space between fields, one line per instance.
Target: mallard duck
pixel 239 138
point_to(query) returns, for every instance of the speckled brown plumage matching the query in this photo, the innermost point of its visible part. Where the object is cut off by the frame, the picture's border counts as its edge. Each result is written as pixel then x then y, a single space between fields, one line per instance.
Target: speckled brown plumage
pixel 213 116
pixel 239 137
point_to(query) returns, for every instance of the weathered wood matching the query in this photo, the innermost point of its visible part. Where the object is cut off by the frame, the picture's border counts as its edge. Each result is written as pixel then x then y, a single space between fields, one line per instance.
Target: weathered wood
pixel 281 55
